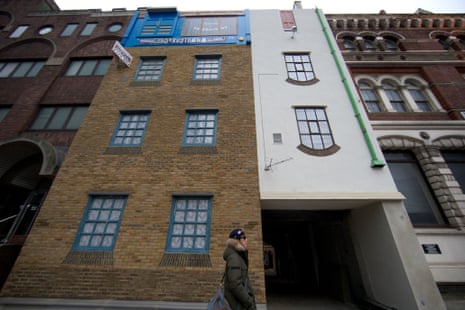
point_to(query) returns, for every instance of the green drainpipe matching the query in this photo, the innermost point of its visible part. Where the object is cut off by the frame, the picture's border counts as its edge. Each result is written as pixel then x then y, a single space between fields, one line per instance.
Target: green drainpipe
pixel 375 162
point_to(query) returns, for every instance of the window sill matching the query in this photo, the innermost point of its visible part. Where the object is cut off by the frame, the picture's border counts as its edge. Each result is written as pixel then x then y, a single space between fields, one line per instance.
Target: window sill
pixel 198 150
pixel 333 149
pixel 117 150
pixel 185 260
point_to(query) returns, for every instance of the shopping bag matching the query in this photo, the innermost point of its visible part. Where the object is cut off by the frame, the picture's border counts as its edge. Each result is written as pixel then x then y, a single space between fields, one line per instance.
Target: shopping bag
pixel 218 302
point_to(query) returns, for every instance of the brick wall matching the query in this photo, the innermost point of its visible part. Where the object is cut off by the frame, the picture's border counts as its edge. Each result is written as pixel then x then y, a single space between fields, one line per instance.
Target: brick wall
pixel 151 175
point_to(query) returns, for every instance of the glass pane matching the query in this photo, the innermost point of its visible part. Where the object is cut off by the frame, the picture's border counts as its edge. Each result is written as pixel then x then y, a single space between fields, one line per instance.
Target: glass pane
pixel 22 69
pixel 88 228
pixel 69 30
pixel 199 243
pixel 99 228
pixel 102 67
pixel 176 242
pixel 201 230
pixel 8 69
pixel 104 215
pixel 88 67
pixel 84 240
pixel 35 69
pixel 96 241
pixel 93 215
pixel 77 117
pixel 178 229
pixel 42 119
pixel 74 67
pixel 179 216
pixel 191 216
pixel 188 243
pixel 88 29
pixel 111 228
pixel 59 118
pixel 189 229
pixel 107 241
pixel 181 204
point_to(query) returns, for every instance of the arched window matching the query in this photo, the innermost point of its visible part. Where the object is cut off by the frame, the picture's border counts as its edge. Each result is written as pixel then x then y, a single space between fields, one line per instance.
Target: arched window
pixel 370 97
pixel 390 44
pixel 444 41
pixel 418 96
pixel 394 96
pixel 349 43
pixel 369 43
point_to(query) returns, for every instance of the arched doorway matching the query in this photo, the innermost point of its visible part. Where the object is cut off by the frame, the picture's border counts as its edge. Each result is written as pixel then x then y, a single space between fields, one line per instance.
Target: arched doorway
pixel 27 168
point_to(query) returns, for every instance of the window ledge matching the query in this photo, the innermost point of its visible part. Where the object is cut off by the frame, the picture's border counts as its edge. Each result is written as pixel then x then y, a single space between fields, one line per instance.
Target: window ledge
pixel 310 82
pixel 185 260
pixel 89 258
pixel 206 82
pixel 333 149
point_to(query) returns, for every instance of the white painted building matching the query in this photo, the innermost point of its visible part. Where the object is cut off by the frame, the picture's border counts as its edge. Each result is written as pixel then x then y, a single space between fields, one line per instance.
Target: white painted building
pixel 333 220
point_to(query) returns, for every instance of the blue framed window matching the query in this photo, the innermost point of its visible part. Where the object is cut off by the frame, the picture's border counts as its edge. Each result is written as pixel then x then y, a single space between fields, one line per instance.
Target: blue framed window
pixel 150 69
pixel 200 128
pixel 189 229
pixel 162 26
pixel 100 224
pixel 207 67
pixel 131 128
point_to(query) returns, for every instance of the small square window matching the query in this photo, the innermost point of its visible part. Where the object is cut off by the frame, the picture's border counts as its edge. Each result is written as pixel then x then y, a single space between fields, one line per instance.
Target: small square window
pixel 207 68
pixel 150 69
pixel 200 128
pixel 130 130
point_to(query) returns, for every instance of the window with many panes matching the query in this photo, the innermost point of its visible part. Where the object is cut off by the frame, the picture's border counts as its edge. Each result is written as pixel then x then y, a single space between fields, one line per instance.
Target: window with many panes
pixel 19 31
pixel 88 29
pixel 69 29
pixel 420 202
pixel 207 67
pixel 18 69
pixel 150 69
pixel 314 130
pixel 396 94
pixel 100 224
pixel 189 229
pixel 210 26
pixel 299 67
pixel 59 118
pixel 200 128
pixel 131 128
pixel 88 67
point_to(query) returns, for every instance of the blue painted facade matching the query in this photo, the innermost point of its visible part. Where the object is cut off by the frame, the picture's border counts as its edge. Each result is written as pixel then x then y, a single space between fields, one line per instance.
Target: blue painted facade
pixel 168 27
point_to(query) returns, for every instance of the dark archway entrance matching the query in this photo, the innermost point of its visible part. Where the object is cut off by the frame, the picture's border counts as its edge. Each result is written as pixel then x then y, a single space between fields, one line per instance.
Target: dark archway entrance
pixel 314 255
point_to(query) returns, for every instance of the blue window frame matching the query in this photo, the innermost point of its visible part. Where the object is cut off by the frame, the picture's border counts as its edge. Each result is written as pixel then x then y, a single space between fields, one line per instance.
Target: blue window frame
pixel 131 128
pixel 150 69
pixel 100 224
pixel 207 67
pixel 189 229
pixel 200 128
pixel 162 26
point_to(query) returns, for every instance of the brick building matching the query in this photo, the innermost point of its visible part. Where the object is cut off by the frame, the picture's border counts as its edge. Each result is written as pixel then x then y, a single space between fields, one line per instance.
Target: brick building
pixel 51 65
pixel 227 119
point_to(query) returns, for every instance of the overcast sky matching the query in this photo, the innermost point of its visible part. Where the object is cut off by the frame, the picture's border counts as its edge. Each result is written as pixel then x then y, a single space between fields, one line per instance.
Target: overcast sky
pixel 335 6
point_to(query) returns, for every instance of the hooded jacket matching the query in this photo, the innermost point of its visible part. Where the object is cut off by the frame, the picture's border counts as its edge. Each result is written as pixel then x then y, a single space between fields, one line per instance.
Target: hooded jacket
pixel 237 289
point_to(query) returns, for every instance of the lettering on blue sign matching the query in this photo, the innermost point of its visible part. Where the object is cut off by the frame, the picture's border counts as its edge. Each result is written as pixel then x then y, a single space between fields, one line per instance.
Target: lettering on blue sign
pixel 182 40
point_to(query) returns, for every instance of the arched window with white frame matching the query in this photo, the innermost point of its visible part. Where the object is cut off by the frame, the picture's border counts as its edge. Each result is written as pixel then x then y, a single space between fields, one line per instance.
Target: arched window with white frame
pixel 418 95
pixel 370 97
pixel 394 96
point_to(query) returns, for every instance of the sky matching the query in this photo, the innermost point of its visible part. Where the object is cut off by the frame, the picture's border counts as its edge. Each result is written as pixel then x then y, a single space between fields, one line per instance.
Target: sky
pixel 328 7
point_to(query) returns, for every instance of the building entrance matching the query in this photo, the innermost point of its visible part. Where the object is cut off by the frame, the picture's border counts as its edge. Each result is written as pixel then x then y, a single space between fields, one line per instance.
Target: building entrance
pixel 310 253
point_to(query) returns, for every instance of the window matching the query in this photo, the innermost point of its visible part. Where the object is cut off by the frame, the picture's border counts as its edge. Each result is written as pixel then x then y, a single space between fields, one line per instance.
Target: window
pixel 200 128
pixel 418 96
pixel 59 118
pixel 444 41
pixel 420 202
pixel 314 129
pixel 210 26
pixel 369 96
pixel 207 68
pixel 88 67
pixel 45 30
pixel 150 69
pixel 69 29
pixel 394 96
pixel 131 129
pixel 369 44
pixel 299 67
pixel 115 27
pixel 3 112
pixel 397 93
pixel 189 225
pixel 456 162
pixel 390 44
pixel 88 29
pixel 18 32
pixel 349 43
pixel 18 69
pixel 160 27
pixel 100 224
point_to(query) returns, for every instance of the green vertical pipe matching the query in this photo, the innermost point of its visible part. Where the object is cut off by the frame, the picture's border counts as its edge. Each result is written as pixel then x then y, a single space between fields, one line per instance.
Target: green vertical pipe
pixel 375 162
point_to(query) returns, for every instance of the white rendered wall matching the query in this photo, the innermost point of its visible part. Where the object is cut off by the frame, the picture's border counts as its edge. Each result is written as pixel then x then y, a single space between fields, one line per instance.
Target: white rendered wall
pixel 343 176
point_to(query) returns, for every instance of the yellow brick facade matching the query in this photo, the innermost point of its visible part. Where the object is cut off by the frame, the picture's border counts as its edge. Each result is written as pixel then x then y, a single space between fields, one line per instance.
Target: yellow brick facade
pixel 150 175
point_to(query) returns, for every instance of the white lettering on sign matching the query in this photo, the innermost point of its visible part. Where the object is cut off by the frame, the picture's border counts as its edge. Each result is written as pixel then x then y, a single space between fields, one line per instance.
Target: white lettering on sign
pixel 122 53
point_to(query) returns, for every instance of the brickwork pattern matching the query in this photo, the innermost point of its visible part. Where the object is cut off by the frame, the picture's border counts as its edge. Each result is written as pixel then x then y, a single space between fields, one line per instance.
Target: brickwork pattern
pixel 159 168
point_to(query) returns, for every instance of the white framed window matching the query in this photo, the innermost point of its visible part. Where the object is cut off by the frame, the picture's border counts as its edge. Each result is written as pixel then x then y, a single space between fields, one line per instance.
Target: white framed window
pixel 396 93
pixel 299 67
